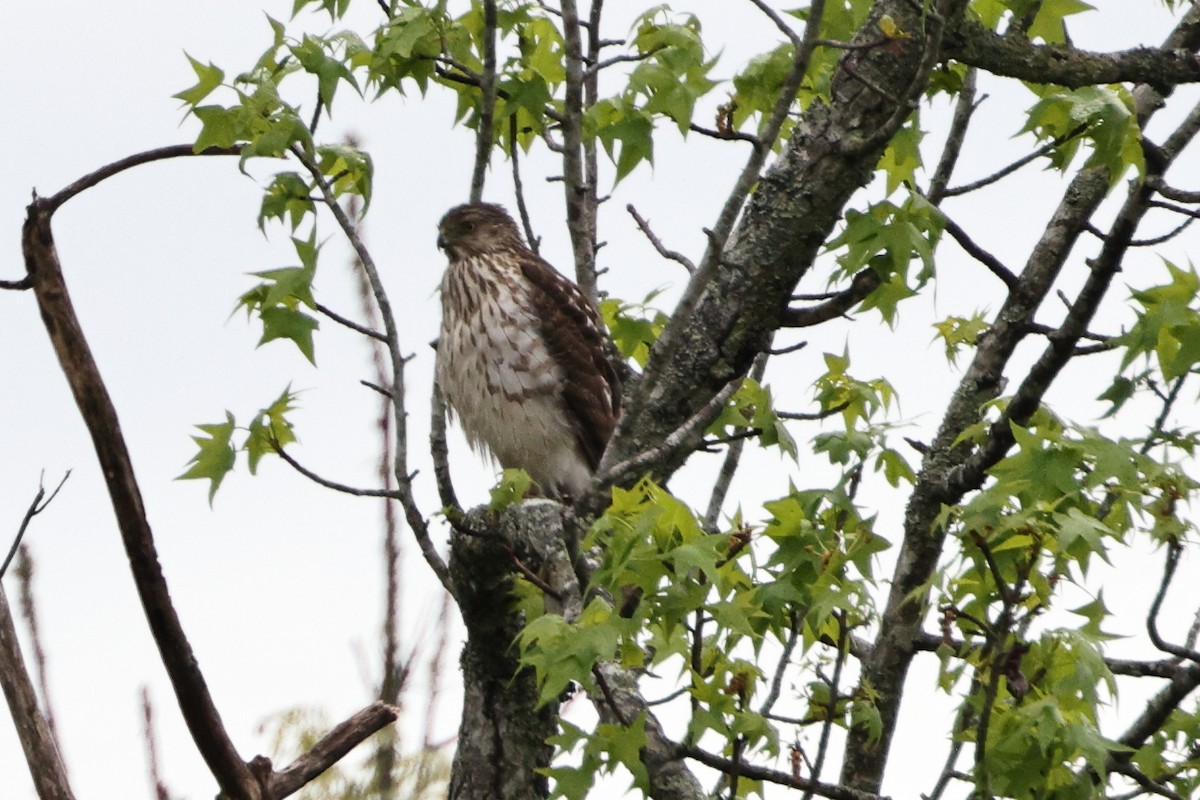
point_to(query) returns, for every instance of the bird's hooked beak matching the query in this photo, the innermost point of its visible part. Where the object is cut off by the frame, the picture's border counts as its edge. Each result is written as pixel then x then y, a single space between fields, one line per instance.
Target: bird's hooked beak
pixel 441 241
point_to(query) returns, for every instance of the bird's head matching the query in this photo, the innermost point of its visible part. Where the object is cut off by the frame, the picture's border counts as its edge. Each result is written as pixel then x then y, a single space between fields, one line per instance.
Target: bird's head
pixel 476 228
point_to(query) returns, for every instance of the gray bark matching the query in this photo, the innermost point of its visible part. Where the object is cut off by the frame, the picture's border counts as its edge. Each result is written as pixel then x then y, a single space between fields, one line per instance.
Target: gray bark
pixel 502 736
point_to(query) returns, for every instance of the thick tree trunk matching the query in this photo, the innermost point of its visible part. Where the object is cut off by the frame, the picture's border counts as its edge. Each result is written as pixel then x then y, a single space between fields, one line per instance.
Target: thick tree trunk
pixel 502 737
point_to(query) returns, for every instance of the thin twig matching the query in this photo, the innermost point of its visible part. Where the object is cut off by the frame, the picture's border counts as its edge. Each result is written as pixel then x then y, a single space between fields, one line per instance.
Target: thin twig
pixel 994 265
pixel 416 521
pixel 440 451
pixel 1016 165
pixel 1174 550
pixel 785 658
pixel 519 187
pixel 964 108
pixel 733 456
pixel 686 432
pixel 814 415
pixel 151 740
pixel 754 772
pixel 391 494
pixel 354 326
pixel 35 508
pixel 726 135
pixel 831 713
pixel 24 571
pixel 663 251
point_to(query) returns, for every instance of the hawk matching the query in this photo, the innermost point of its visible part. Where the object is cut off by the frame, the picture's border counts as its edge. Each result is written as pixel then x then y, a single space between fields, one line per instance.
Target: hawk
pixel 521 357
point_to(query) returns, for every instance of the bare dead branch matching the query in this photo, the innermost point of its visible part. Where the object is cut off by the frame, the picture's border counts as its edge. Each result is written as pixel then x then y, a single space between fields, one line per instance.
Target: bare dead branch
pixel 35 508
pixel 41 754
pixel 100 417
pixel 330 749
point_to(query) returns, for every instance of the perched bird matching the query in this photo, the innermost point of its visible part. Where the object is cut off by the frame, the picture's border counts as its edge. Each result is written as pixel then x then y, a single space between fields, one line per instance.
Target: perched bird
pixel 521 356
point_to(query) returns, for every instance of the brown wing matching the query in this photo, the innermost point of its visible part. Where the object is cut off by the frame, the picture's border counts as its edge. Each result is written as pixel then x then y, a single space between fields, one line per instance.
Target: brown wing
pixel 575 338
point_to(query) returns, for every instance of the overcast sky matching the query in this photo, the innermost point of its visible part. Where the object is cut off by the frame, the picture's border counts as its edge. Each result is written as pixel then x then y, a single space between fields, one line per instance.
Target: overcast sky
pixel 279 585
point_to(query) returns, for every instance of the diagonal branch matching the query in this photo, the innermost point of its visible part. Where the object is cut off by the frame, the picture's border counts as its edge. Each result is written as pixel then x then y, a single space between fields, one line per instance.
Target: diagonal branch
pixel 36 507
pixel 100 417
pixel 41 754
pixel 330 749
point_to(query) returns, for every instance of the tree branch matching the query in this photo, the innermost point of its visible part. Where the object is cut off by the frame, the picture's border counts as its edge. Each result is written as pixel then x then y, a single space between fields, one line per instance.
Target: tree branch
pixel 96 408
pixel 35 508
pixel 41 753
pixel 994 265
pixel 351 324
pixel 1018 57
pixel 663 251
pixel 329 750
pixel 391 494
pixel 829 790
pixel 412 513
pixel 487 102
pixel 50 204
pixel 865 281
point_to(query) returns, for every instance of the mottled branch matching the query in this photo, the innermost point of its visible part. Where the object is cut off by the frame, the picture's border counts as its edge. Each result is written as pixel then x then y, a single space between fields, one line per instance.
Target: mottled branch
pixel 1018 57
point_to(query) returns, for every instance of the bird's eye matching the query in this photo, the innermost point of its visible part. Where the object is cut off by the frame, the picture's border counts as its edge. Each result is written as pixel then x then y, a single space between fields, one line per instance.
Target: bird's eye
pixel 470 226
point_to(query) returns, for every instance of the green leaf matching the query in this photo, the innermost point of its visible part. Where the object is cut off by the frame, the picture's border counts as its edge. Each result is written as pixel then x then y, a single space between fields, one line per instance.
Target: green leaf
pixel 513 487
pixel 902 158
pixel 210 77
pixel 1048 24
pixel 215 457
pixel 286 323
pixel 219 127
pixel 270 428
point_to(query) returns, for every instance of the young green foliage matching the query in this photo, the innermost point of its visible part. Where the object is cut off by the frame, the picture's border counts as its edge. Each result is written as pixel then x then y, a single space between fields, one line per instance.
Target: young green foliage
pixel 216 456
